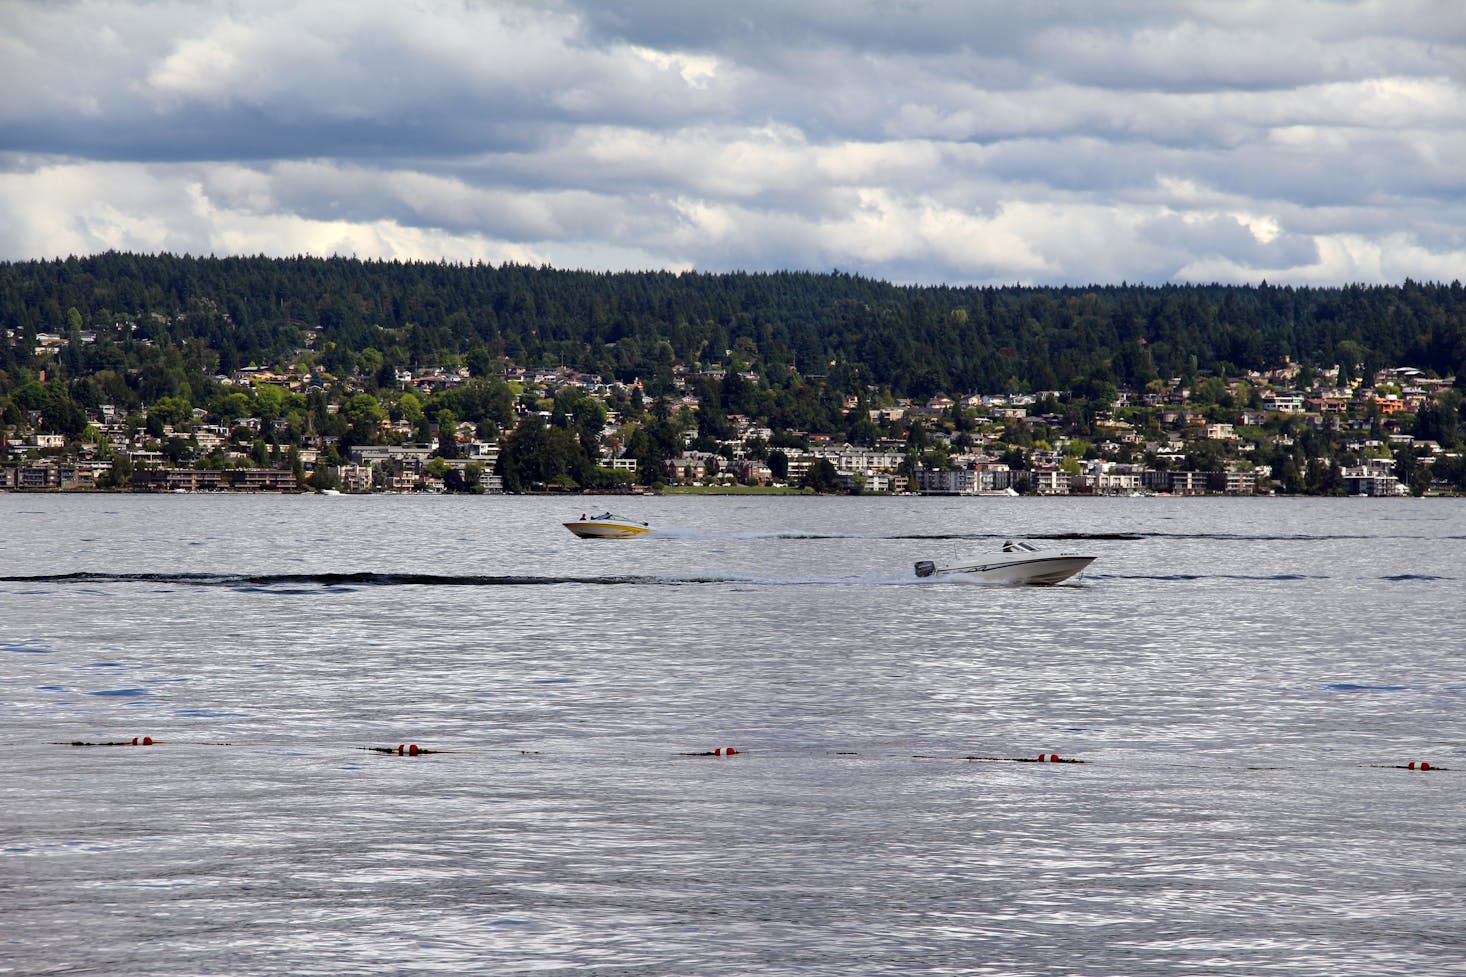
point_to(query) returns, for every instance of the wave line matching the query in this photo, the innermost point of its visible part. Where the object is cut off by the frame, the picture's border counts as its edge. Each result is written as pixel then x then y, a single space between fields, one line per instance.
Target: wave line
pixel 358 579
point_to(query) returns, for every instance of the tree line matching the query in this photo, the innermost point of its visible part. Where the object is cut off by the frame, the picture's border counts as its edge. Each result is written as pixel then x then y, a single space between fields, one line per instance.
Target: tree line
pixel 223 313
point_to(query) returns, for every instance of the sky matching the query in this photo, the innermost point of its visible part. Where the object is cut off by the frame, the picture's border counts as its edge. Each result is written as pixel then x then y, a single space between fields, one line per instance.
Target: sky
pixel 967 142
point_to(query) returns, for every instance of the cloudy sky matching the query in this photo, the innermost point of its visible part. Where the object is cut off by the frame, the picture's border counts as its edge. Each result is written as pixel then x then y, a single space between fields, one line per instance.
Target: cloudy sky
pixel 959 141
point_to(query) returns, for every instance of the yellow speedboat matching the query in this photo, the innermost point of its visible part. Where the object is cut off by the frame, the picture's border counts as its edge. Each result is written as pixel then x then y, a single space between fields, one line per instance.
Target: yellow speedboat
pixel 607 525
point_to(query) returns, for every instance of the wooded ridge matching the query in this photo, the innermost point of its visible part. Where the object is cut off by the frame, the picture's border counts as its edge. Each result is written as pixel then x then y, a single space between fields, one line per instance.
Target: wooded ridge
pixel 914 341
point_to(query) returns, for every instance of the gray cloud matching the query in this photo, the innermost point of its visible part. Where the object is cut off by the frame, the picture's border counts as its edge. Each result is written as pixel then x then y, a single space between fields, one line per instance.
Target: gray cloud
pixel 949 140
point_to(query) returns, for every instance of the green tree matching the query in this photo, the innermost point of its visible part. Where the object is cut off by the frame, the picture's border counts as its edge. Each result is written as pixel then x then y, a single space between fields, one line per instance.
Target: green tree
pixel 323 477
pixel 119 475
pixel 447 434
pixel 822 477
pixel 270 402
pixel 177 450
pixel 369 363
pixel 172 410
pixel 232 407
pixel 409 406
pixel 467 479
pixel 365 415
pixel 293 461
pixel 1438 420
pixel 537 455
pixel 64 416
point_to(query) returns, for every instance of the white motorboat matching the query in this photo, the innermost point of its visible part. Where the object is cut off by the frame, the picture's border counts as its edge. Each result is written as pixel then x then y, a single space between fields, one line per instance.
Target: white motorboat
pixel 1019 562
pixel 607 525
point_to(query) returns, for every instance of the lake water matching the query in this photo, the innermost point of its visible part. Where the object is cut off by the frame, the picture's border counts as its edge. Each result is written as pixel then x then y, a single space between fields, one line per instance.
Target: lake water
pixel 1245 681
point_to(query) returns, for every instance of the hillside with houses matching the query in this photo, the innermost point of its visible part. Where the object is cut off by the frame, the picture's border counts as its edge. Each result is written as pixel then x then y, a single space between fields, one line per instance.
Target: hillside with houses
pixel 167 374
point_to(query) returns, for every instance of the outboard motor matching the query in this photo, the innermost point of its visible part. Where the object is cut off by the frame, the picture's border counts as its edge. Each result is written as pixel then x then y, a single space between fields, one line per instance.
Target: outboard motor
pixel 925 568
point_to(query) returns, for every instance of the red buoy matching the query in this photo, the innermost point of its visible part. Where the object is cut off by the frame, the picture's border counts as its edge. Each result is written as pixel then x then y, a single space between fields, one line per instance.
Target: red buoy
pixel 147 741
pixel 412 750
pixel 1424 765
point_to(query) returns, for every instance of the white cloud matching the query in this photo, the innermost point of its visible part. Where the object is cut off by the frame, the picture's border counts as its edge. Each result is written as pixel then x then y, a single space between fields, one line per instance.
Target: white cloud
pixel 209 69
pixel 695 70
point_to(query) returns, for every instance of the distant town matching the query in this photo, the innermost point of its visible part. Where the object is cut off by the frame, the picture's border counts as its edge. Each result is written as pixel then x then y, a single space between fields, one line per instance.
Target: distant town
pixel 1291 430
pixel 171 373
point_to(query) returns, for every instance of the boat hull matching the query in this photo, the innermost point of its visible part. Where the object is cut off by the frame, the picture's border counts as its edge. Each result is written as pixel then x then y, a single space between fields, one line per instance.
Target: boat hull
pixel 603 529
pixel 1039 570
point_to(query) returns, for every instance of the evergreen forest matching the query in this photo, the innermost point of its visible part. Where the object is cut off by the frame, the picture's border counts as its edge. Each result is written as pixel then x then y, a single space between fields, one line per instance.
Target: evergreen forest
pixel 206 316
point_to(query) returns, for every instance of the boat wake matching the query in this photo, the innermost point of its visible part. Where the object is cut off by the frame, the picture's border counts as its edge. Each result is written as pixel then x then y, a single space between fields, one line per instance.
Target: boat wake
pixel 361 579
pixel 672 533
pixel 1136 536
pixel 1187 577
pixel 979 536
pixel 693 534
pixel 1025 535
pixel 287 583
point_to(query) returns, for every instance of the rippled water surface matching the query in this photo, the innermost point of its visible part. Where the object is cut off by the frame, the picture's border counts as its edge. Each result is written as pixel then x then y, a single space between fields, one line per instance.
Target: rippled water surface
pixel 1245 683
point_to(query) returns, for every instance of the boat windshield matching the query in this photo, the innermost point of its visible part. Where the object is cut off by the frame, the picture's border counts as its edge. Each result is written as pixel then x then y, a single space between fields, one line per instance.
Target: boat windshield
pixel 1019 546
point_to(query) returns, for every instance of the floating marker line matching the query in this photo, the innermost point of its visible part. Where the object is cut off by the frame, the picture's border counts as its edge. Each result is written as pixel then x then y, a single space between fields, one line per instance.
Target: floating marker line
pixel 414 750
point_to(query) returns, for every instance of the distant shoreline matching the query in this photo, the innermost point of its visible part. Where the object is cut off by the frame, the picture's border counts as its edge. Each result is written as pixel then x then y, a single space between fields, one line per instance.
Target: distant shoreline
pixel 699 491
